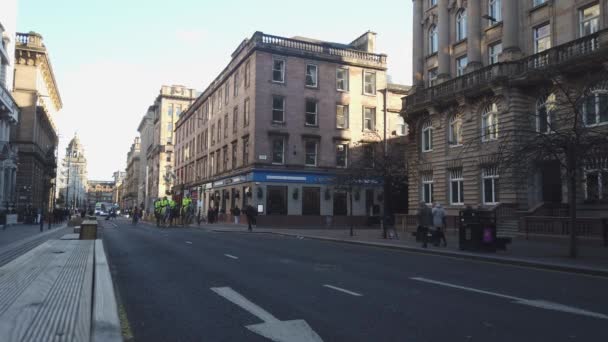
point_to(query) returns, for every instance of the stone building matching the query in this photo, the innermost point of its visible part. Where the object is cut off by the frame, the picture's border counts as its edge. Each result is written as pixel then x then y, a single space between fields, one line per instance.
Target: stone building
pixel 118 177
pixel 131 181
pixel 99 191
pixel 479 67
pixel 146 135
pixel 277 124
pixel 164 113
pixel 37 95
pixel 9 112
pixel 72 179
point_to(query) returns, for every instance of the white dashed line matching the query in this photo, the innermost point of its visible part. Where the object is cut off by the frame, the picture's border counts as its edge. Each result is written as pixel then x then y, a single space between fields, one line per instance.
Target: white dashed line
pixel 189 242
pixel 343 290
pixel 231 256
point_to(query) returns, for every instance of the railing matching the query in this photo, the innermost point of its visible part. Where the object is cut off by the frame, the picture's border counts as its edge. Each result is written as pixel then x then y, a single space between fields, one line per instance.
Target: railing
pixel 9 102
pixel 550 58
pixel 560 226
pixel 320 48
pixel 29 39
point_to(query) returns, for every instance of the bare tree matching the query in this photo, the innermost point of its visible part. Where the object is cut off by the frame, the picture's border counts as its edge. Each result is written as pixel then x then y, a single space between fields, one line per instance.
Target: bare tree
pixel 565 128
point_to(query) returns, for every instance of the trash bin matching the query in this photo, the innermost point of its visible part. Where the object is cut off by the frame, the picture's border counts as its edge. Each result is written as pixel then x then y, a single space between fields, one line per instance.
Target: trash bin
pixel 477 230
pixel 88 230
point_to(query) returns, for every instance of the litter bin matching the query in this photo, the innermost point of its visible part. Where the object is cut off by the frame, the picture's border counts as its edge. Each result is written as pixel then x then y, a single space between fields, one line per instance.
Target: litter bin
pixel 88 230
pixel 477 230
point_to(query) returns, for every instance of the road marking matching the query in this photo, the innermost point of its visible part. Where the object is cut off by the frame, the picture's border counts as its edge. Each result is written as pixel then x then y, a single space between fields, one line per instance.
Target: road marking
pixel 231 256
pixel 272 328
pixel 343 290
pixel 189 242
pixel 538 303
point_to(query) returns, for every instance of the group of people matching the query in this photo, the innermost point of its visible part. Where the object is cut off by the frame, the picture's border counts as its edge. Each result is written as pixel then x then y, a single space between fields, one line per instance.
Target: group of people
pixel 167 211
pixel 213 215
pixel 432 220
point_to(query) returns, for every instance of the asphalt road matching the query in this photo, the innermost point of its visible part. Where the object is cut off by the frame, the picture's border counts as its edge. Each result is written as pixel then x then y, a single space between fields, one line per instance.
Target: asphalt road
pixel 195 285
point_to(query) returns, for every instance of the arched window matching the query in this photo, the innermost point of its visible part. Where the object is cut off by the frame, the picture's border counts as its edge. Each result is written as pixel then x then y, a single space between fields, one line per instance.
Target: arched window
pixel 545 106
pixel 427 136
pixel 455 130
pixel 595 108
pixel 461 24
pixel 433 43
pixel 489 122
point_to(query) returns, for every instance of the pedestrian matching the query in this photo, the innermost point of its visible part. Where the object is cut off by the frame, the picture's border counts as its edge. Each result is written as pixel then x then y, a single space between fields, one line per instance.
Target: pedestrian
pixel 236 211
pixel 439 220
pixel 425 220
pixel 157 211
pixel 250 218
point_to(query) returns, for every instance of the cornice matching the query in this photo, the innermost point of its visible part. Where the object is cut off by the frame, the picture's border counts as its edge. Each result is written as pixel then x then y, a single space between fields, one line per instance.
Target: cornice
pixel 40 58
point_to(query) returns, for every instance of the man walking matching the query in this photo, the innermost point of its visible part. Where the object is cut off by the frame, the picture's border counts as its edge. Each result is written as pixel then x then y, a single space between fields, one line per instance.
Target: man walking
pixel 251 214
pixel 439 220
pixel 425 220
pixel 236 212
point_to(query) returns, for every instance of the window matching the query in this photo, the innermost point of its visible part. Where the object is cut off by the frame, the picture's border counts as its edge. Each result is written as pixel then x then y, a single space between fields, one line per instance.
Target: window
pixel 596 184
pixel 245 151
pixel 311 112
pixel 427 187
pixel 234 155
pixel 545 106
pixel 311 75
pixel 455 131
pixel 211 164
pixel 433 42
pixel 278 109
pixel 595 109
pixel 341 116
pixel 369 156
pixel 235 119
pixel 400 127
pixel 461 64
pixel 278 70
pixel 227 92
pixel 311 153
pixel 218 161
pixel 495 11
pixel 246 113
pixel 369 119
pixel 170 110
pixel 212 135
pixel 461 25
pixel 489 178
pixel 538 2
pixel 427 136
pixel 178 110
pixel 432 3
pixel 169 127
pixel 489 123
pixel 219 130
pixel 219 99
pixel 589 18
pixel 369 83
pixel 342 155
pixel 235 91
pixel 342 79
pixel 494 51
pixel 542 38
pixel 247 74
pixel 456 187
pixel 226 126
pixel 278 151
pixel 225 153
pixel 432 77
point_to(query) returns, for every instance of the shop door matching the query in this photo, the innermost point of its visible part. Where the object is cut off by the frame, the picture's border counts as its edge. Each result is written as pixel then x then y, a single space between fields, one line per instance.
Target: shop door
pixel 311 201
pixel 276 200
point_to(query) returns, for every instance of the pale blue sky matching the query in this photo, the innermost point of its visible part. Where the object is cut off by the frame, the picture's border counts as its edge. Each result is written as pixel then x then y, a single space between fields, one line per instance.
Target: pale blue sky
pixel 110 57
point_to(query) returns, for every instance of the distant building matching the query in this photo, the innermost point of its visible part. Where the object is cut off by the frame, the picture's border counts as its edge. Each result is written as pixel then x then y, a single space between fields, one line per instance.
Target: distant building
pixel 146 135
pixel 118 177
pixel 284 117
pixel 9 111
pixel 99 191
pixel 72 180
pixel 131 181
pixel 37 95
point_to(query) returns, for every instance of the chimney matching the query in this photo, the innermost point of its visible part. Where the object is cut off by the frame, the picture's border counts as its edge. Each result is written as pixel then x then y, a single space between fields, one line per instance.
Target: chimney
pixel 366 42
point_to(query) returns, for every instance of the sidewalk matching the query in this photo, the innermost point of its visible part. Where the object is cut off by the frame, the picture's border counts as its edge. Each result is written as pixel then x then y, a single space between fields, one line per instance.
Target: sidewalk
pixel 592 260
pixel 18 232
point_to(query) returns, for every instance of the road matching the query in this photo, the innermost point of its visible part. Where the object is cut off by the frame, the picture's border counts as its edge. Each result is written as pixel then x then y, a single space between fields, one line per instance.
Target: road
pixel 196 285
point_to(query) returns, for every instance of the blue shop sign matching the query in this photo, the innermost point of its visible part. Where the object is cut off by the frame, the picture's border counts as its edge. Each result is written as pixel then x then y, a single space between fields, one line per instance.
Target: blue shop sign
pixel 281 177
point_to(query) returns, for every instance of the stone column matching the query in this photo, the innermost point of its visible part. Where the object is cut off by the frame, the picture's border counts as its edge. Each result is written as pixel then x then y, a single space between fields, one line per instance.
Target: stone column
pixel 443 32
pixel 474 35
pixel 418 45
pixel 510 31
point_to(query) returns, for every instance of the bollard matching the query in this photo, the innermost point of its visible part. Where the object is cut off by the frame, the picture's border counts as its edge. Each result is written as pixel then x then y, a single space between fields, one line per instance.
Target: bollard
pixel 88 230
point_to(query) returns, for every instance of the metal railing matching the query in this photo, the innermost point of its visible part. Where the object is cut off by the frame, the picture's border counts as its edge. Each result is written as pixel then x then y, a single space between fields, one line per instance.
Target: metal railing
pixel 560 226
pixel 553 57
pixel 319 48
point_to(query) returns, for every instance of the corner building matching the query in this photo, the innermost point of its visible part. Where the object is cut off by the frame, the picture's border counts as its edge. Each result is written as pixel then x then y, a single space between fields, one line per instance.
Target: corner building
pixel 279 121
pixel 478 69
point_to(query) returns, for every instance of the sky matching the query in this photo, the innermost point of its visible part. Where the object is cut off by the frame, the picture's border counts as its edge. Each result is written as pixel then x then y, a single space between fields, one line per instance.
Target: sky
pixel 110 57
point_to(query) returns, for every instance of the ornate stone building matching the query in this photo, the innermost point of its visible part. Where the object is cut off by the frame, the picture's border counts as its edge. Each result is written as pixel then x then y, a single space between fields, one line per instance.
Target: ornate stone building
pixel 480 71
pixel 146 135
pixel 131 182
pixel 72 180
pixel 99 191
pixel 281 120
pixel 9 112
pixel 37 95
pixel 118 177
pixel 159 151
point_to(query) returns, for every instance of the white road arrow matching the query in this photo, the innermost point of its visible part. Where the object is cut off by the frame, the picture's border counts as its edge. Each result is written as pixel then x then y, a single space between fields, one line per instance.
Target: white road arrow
pixel 541 304
pixel 272 328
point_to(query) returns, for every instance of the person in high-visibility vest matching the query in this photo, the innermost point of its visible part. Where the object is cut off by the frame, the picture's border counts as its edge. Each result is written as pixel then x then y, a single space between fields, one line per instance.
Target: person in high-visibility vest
pixel 165 210
pixel 186 202
pixel 157 211
pixel 171 210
